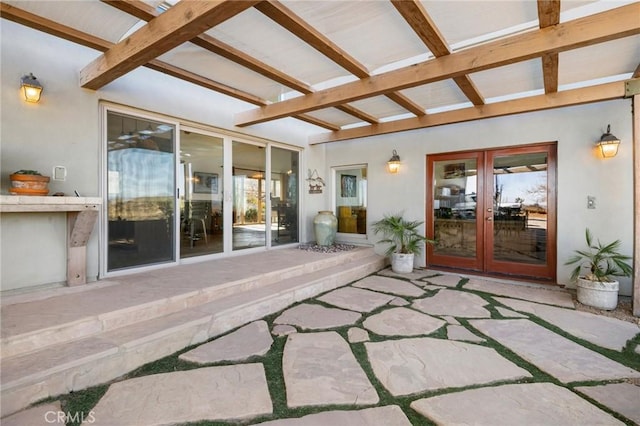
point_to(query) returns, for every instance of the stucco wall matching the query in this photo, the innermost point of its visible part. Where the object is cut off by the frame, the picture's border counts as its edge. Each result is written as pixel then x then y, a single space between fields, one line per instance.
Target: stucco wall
pixel 64 130
pixel 581 172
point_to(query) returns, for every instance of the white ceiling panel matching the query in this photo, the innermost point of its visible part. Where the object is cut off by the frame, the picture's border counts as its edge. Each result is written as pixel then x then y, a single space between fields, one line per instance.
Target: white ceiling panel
pixel 334 116
pixel 462 22
pixel 255 34
pixel 379 106
pixel 89 16
pixel 599 61
pixel 388 37
pixel 200 61
pixel 511 79
pixel 436 95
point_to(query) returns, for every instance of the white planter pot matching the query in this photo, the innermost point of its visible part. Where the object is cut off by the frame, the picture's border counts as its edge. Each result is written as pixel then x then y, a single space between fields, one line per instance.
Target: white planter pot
pixel 402 263
pixel 598 294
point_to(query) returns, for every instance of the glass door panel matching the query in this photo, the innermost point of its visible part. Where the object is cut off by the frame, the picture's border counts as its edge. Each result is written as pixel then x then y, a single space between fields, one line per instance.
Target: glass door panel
pixel 249 189
pixel 140 191
pixel 201 186
pixel 454 220
pixel 284 196
pixel 523 225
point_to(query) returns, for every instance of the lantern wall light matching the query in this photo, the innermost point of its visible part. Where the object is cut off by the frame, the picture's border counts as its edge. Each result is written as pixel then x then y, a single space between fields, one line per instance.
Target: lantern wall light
pixel 394 163
pixel 31 88
pixel 608 144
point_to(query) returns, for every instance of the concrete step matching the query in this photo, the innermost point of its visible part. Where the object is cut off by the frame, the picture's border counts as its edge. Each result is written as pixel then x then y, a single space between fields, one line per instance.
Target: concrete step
pixel 33 324
pixel 73 365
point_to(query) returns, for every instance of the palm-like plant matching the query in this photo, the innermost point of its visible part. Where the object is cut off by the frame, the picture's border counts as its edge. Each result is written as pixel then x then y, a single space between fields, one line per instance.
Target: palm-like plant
pixel 401 235
pixel 602 260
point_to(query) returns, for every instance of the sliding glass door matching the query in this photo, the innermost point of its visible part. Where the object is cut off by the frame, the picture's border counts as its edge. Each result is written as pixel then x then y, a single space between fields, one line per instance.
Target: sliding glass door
pixel 249 189
pixel 283 193
pixel 140 192
pixel 201 189
pixel 177 192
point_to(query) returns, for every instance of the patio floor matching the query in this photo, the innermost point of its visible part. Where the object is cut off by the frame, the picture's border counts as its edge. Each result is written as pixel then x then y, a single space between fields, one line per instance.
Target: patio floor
pixel 424 348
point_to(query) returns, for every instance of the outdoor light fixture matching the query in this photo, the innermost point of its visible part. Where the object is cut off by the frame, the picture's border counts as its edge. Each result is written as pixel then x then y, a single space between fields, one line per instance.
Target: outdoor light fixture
pixel 31 88
pixel 608 144
pixel 394 163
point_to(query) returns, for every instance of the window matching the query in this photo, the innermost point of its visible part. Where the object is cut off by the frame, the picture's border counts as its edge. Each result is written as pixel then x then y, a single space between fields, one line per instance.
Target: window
pixel 351 198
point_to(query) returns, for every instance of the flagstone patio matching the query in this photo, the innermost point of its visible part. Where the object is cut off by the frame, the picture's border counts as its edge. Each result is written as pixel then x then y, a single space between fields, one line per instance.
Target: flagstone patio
pixel 458 352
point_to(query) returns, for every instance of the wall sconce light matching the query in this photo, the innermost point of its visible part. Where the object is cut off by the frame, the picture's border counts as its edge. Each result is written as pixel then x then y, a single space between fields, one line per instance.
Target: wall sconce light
pixel 394 163
pixel 608 144
pixel 31 88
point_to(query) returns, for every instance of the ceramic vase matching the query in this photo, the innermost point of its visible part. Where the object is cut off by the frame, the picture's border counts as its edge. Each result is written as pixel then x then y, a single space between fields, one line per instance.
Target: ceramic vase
pixel 325 226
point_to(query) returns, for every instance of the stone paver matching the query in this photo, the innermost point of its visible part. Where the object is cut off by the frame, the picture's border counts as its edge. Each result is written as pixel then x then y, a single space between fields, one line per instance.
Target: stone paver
pixel 212 393
pixel 550 296
pixel 407 366
pixel 356 299
pixel 314 317
pixel 603 331
pixel 446 280
pixel 251 340
pixel 283 330
pixel 320 369
pixel 399 301
pixel 451 320
pixel 415 275
pixel 455 303
pixel 623 398
pixel 458 332
pixel 357 335
pixel 389 285
pixel 517 404
pixel 402 322
pixel 562 358
pixel 377 416
pixel 41 415
pixel 508 313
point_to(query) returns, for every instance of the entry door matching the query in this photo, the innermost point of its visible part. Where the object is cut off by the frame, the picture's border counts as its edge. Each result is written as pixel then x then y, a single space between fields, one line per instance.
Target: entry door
pixel 494 211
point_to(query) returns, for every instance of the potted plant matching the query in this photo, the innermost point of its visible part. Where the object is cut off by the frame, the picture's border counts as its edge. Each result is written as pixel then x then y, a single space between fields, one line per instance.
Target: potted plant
pixel 403 239
pixel 603 261
pixel 29 182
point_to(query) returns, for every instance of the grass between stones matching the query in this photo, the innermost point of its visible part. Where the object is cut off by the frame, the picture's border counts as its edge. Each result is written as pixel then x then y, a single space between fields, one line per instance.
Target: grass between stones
pixel 83 401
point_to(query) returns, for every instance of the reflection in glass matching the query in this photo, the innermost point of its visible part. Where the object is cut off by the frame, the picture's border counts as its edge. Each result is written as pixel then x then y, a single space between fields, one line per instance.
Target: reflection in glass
pixel 201 188
pixel 140 191
pixel 249 190
pixel 351 199
pixel 454 204
pixel 284 196
pixel 520 208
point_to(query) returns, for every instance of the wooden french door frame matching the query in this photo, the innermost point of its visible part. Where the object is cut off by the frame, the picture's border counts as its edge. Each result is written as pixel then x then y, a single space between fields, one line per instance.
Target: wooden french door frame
pixel 484 261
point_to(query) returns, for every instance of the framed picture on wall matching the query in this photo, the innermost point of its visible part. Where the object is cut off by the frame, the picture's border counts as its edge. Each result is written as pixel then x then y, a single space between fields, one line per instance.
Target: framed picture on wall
pixel 205 183
pixel 348 186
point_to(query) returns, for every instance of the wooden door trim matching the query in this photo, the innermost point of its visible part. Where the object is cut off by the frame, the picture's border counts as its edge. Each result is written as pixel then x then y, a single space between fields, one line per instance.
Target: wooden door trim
pixel 482 263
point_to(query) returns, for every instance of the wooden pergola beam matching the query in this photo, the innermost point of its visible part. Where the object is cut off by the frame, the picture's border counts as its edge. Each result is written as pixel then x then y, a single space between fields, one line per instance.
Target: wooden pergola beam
pixel 419 20
pixel 580 96
pixel 285 17
pixel 548 15
pixel 179 24
pixel 597 28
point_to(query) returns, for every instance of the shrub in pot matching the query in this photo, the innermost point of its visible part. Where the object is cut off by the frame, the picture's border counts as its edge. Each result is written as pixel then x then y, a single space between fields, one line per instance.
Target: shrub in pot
pixel 403 239
pixel 597 288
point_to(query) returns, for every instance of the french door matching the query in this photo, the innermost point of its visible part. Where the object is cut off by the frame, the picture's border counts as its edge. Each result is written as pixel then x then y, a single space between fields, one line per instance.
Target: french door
pixel 494 211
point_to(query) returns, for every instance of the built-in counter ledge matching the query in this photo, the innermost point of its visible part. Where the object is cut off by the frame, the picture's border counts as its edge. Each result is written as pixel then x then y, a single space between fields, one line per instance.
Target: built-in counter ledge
pixel 37 203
